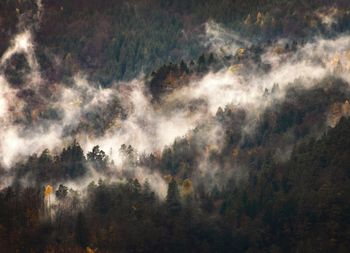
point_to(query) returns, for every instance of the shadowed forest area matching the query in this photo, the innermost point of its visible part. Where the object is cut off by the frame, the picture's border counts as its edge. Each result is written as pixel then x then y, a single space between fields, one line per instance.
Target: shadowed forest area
pixel 113 40
pixel 174 126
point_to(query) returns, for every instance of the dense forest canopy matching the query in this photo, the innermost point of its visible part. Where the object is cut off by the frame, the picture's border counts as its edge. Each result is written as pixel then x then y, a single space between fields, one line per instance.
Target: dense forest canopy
pixel 174 126
pixel 113 40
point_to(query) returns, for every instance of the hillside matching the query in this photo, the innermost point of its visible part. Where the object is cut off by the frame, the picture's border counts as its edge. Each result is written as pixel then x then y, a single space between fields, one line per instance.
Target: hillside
pixel 174 126
pixel 116 40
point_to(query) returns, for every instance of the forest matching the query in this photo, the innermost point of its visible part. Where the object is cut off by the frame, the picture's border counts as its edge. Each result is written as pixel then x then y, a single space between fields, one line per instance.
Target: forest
pixel 113 40
pixel 174 126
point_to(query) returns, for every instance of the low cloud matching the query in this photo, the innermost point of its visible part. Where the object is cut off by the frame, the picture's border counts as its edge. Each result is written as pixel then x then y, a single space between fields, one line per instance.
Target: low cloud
pixel 124 113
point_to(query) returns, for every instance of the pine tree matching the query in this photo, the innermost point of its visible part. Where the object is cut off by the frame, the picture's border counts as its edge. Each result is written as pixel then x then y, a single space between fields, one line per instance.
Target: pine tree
pixel 73 160
pixel 62 192
pixel 173 200
pixel 81 231
pixel 202 65
pixel 183 67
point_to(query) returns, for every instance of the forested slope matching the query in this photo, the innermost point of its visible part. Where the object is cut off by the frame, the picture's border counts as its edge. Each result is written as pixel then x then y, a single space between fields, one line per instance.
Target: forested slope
pixel 113 40
pixel 174 126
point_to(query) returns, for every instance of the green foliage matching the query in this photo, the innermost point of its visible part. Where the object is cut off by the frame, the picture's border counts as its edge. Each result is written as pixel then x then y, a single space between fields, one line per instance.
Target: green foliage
pixel 73 161
pixel 82 231
pixel 173 200
pixel 120 39
pixel 97 158
pixel 16 70
pixel 259 197
pixel 61 192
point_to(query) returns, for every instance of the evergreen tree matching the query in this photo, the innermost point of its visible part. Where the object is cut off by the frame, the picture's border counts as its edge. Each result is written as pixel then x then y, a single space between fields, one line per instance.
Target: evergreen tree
pixel 211 59
pixel 183 67
pixel 173 200
pixel 202 65
pixel 62 192
pixel 98 158
pixel 73 160
pixel 82 231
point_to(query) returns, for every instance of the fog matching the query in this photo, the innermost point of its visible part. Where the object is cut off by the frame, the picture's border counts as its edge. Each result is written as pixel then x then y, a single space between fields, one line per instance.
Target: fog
pixel 124 113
